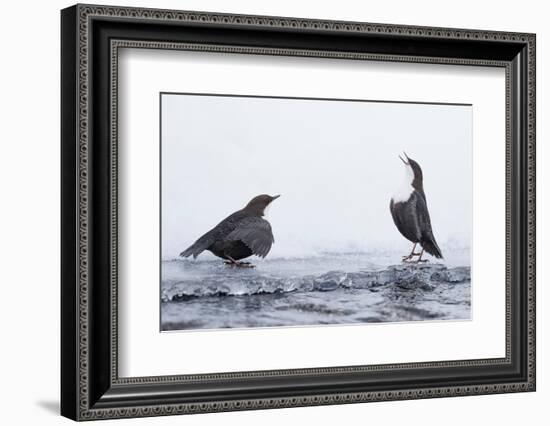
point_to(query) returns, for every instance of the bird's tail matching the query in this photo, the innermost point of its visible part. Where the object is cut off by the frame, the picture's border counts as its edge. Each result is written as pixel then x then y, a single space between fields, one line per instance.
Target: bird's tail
pixel 194 250
pixel 431 247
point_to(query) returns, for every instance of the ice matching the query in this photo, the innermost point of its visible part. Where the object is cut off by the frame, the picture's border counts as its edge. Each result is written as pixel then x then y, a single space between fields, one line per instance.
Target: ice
pixel 332 289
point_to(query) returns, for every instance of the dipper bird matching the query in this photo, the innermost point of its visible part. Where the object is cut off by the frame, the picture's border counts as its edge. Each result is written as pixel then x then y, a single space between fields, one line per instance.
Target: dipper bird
pixel 410 212
pixel 239 235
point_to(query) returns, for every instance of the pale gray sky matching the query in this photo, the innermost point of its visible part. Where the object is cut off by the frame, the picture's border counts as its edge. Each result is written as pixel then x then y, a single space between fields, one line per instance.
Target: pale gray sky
pixel 334 162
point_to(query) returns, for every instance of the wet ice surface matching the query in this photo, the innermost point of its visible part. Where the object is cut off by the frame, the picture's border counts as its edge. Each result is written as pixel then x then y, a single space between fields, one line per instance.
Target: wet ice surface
pixel 331 289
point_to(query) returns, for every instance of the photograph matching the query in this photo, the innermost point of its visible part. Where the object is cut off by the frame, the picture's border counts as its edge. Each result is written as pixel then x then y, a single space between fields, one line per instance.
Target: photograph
pixel 282 211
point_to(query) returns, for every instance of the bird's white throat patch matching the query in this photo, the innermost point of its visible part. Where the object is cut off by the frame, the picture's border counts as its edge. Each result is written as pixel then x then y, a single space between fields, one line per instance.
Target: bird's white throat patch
pixel 405 189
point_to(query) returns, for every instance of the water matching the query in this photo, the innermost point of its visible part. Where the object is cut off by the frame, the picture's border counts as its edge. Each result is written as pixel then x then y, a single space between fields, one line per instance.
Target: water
pixel 328 289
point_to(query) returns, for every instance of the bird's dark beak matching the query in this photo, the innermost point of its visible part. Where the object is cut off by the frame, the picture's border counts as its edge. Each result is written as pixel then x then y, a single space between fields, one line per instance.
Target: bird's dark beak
pixel 275 197
pixel 405 162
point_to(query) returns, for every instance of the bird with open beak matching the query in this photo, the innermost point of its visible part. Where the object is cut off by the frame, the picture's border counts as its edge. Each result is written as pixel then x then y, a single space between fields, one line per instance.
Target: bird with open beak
pixel 409 210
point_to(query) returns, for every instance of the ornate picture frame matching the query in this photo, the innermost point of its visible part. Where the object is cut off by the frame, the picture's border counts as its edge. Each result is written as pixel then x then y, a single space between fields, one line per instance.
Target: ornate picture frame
pixel 91 37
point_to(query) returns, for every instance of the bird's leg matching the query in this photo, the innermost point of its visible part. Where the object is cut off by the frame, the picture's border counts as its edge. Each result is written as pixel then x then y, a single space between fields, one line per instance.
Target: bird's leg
pixel 233 262
pixel 410 256
pixel 420 257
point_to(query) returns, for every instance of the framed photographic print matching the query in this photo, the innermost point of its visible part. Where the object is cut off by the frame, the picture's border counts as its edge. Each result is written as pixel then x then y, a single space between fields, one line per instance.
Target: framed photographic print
pixel 263 212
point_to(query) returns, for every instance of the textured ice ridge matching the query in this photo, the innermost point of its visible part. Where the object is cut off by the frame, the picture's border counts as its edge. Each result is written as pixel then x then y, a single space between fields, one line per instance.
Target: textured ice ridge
pixel 404 277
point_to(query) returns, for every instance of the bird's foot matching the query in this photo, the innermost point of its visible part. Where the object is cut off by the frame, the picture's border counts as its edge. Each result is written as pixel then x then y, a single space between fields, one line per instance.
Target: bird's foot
pixel 240 264
pixel 245 265
pixel 410 258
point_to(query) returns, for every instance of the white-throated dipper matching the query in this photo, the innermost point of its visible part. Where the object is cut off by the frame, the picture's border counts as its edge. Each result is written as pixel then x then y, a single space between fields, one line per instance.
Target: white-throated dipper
pixel 410 212
pixel 239 235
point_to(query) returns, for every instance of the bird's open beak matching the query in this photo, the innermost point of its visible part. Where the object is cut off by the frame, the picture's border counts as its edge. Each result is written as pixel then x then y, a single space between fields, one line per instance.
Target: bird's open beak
pixel 405 154
pixel 275 197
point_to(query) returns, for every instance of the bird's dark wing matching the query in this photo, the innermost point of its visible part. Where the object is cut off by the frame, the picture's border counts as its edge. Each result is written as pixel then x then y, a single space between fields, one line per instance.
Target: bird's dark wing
pixel 256 233
pixel 423 217
pixel 405 219
pixel 219 232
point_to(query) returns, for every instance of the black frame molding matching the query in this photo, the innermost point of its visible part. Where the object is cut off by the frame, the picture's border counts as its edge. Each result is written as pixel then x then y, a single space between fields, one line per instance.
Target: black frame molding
pixel 91 37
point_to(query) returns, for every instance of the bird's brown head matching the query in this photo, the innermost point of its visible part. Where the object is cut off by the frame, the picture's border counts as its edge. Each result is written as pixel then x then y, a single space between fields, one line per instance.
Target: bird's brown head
pixel 415 172
pixel 259 203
